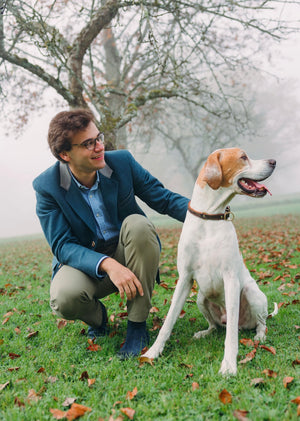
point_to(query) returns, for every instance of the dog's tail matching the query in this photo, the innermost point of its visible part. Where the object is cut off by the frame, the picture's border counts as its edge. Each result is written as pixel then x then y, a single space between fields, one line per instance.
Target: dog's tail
pixel 274 312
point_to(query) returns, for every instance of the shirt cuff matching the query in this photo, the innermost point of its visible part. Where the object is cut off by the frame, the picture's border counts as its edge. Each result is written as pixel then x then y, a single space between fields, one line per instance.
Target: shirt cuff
pixel 100 274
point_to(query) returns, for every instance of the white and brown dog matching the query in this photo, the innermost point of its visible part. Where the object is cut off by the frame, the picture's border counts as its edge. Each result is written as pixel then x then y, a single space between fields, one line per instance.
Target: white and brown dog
pixel 208 252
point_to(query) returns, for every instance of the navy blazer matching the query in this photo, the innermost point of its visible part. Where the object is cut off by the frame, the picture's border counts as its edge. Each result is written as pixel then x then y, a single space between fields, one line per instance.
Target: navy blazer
pixel 68 222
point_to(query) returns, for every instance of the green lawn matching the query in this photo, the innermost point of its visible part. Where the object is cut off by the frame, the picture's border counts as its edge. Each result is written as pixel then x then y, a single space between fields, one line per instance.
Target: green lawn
pixel 45 360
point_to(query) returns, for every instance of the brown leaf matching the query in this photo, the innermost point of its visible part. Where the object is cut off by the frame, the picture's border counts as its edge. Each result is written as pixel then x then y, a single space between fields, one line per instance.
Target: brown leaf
pixel 182 314
pixel 61 323
pixel 247 342
pixel 269 373
pixel 13 368
pixel 296 400
pixel 256 381
pixel 84 376
pixel 41 370
pixel 17 330
pixel 287 381
pixel 92 346
pixel 225 397
pixel 154 310
pixel 33 396
pixel 295 362
pixel 32 334
pixel 13 356
pixel 18 402
pixel 130 395
pixel 129 412
pixel 91 382
pixel 68 401
pixel 77 411
pixel 58 414
pixel 195 386
pixel 241 414
pixel 4 385
pixel 146 360
pixel 248 357
pixel 269 348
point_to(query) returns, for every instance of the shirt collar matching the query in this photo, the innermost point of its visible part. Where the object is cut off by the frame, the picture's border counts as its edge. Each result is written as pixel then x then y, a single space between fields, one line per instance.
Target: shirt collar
pixel 81 186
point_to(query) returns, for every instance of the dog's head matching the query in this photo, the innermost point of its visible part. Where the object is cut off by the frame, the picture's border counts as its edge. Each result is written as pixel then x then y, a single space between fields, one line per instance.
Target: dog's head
pixel 233 168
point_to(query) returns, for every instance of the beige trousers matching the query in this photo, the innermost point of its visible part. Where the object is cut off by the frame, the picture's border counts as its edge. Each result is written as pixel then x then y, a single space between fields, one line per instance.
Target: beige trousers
pixel 74 295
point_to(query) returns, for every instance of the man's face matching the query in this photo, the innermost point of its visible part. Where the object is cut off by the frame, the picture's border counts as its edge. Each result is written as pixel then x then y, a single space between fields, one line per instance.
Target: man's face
pixel 80 159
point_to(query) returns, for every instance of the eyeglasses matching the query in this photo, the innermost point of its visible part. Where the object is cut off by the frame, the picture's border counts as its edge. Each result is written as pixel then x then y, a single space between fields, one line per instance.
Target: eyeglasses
pixel 91 143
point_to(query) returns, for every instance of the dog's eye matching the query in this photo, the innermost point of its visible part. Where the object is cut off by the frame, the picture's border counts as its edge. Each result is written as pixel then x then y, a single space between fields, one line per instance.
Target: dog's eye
pixel 244 157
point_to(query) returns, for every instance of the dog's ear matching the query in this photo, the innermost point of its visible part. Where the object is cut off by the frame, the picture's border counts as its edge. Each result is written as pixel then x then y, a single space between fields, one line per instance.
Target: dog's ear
pixel 213 171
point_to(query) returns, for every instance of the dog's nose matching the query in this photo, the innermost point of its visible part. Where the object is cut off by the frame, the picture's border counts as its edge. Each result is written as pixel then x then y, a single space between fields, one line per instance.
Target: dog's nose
pixel 272 163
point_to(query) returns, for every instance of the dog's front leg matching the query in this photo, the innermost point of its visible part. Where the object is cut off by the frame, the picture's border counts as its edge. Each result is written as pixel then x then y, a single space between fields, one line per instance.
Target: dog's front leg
pixel 232 302
pixel 182 290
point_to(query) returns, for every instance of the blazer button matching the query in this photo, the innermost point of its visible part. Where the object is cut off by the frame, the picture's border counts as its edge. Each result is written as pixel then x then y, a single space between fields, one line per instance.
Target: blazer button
pixel 93 244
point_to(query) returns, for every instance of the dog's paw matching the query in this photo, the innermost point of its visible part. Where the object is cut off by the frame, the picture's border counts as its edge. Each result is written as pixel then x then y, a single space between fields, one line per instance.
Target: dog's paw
pixel 152 353
pixel 261 337
pixel 203 333
pixel 228 368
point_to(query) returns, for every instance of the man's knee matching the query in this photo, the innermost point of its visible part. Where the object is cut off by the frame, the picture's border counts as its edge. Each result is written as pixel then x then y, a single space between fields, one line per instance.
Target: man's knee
pixel 141 231
pixel 67 294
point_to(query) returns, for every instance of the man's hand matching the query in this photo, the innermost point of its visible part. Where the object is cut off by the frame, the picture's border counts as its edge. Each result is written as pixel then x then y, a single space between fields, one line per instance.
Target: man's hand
pixel 122 277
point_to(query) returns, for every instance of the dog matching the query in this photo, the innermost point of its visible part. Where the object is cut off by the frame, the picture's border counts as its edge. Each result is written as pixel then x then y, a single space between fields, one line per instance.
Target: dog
pixel 208 252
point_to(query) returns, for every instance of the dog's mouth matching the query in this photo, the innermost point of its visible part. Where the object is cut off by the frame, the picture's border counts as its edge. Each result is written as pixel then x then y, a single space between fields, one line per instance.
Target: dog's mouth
pixel 252 187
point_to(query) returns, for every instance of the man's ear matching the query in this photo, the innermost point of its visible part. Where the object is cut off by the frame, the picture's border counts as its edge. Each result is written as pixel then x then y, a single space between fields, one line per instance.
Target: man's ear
pixel 65 156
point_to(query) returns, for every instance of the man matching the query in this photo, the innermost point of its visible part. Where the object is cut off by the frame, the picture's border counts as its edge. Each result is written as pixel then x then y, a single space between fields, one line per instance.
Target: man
pixel 101 240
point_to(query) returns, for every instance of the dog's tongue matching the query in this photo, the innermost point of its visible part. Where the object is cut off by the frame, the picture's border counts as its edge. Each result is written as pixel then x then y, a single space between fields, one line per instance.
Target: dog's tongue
pixel 259 186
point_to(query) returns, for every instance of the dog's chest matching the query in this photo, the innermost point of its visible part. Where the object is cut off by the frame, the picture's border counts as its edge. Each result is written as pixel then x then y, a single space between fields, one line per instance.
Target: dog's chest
pixel 207 249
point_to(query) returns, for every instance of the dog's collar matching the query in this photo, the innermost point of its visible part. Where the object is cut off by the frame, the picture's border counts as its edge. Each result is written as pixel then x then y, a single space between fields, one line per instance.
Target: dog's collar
pixel 226 216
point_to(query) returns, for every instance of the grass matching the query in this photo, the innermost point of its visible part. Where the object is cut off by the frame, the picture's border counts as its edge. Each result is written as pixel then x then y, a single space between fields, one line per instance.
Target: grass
pixel 184 383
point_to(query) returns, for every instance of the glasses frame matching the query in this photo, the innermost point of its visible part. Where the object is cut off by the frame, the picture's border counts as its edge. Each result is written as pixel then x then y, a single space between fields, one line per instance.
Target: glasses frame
pixel 90 144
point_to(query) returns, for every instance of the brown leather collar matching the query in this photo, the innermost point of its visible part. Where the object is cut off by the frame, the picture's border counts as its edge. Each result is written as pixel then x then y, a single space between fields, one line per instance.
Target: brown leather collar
pixel 226 216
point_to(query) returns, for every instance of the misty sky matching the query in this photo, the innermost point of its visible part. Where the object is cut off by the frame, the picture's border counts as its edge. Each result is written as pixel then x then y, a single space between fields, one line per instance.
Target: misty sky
pixel 23 158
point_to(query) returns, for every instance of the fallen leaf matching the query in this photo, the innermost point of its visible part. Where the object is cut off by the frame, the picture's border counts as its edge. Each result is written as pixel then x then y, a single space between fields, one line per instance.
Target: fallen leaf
pixel 146 360
pixel 84 376
pixel 91 382
pixel 4 385
pixel 41 370
pixel 182 314
pixel 74 412
pixel 225 397
pixel 269 348
pixel 13 356
pixel 61 323
pixel 154 310
pixel 269 373
pixel 295 362
pixel 248 357
pixel 129 412
pixel 32 334
pixel 58 414
pixel 195 386
pixel 92 346
pixel 33 396
pixel 256 381
pixel 247 342
pixel 287 381
pixel 18 402
pixel 13 368
pixel 241 414
pixel 68 402
pixel 130 395
pixel 296 400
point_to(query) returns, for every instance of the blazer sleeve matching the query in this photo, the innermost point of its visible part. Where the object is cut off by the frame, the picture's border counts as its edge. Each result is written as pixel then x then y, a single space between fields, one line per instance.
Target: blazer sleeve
pixel 65 246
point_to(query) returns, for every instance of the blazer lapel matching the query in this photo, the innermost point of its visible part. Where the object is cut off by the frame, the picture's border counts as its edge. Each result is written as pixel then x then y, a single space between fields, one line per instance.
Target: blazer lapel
pixel 109 190
pixel 75 199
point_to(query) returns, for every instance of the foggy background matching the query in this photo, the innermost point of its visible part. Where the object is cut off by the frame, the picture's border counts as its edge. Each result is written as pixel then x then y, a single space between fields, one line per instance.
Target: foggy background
pixel 23 157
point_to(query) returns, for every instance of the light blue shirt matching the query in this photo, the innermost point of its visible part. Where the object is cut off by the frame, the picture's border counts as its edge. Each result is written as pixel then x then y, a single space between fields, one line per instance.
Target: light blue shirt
pixel 93 197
